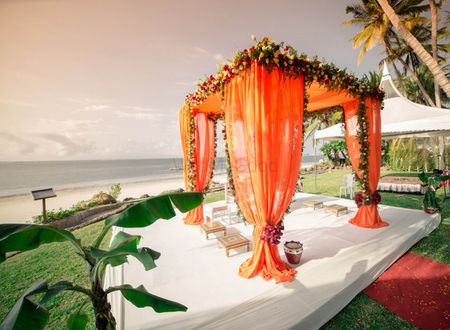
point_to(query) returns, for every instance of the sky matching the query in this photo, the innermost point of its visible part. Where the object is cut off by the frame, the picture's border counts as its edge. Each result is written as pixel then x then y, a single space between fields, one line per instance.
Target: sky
pixel 105 79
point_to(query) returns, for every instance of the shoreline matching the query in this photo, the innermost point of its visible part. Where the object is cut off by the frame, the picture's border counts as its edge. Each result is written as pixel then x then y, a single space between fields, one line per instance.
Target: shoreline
pixel 20 208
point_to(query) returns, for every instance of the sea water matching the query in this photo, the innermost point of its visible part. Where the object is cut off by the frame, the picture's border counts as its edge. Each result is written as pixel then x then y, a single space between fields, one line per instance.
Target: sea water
pixel 17 178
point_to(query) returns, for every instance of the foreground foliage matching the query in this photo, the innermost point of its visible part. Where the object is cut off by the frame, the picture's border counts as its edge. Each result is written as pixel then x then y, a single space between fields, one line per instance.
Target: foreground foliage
pixel 29 314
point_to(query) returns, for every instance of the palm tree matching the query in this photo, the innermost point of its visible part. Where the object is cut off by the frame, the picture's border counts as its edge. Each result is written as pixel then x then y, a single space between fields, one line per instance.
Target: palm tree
pixel 378 30
pixel 409 38
pixel 434 6
pixel 376 26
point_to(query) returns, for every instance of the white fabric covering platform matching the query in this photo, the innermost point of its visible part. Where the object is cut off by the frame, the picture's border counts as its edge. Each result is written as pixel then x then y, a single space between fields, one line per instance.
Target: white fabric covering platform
pixel 339 260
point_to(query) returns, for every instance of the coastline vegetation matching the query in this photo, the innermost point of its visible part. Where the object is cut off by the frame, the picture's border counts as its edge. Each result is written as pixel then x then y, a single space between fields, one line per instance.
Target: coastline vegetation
pixel 100 198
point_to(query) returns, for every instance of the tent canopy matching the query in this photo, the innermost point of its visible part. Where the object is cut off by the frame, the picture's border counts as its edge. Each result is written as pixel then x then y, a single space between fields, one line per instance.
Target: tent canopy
pixel 400 117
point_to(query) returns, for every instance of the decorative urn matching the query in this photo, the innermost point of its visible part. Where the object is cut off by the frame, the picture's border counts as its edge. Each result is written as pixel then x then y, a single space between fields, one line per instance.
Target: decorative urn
pixel 293 251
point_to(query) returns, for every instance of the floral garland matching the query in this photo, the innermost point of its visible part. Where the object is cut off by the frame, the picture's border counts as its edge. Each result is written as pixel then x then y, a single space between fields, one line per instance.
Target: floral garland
pixel 362 134
pixel 191 169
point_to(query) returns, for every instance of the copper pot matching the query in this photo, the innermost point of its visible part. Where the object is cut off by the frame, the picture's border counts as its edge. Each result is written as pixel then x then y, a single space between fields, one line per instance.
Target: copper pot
pixel 293 251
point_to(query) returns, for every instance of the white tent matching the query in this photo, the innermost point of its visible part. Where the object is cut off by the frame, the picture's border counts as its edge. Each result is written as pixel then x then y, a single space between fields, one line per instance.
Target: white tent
pixel 400 117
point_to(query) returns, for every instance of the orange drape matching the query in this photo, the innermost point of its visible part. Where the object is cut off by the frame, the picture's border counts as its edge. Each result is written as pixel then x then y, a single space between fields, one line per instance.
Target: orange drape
pixel 264 116
pixel 204 159
pixel 367 215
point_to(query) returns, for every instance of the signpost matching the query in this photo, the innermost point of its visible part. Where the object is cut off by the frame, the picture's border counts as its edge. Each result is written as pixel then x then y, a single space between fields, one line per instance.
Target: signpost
pixel 43 194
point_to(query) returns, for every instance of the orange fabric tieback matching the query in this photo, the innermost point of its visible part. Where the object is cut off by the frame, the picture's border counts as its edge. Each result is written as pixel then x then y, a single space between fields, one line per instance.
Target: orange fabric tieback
pixel 264 119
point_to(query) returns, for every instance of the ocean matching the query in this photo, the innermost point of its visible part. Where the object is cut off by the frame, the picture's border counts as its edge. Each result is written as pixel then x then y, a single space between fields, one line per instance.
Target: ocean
pixel 17 178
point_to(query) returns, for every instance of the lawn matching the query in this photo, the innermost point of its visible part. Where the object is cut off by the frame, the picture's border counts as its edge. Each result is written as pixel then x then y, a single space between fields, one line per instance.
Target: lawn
pixel 57 262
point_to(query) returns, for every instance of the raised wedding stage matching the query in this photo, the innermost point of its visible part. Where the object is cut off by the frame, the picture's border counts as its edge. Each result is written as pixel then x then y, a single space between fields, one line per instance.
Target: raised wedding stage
pixel 339 260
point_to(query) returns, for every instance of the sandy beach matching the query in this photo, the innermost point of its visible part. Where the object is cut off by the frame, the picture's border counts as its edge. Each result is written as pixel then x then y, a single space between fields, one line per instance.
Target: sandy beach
pixel 22 208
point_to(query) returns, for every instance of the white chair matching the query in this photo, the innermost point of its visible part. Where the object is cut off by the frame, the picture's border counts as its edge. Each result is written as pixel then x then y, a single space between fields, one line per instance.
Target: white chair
pixel 221 209
pixel 347 186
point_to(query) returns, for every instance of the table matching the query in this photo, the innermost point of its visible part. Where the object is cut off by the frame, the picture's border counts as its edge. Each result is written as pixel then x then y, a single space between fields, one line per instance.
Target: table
pixel 313 204
pixel 336 208
pixel 233 242
pixel 213 227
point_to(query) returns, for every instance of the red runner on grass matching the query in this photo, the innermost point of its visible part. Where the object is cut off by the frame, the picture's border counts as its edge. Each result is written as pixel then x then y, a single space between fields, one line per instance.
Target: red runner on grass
pixel 417 289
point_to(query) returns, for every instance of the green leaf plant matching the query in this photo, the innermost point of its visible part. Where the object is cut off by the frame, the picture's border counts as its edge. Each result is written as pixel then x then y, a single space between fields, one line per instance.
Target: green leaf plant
pixel 30 313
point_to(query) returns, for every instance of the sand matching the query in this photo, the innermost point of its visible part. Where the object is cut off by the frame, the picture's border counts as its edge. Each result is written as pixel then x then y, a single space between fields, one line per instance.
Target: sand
pixel 21 209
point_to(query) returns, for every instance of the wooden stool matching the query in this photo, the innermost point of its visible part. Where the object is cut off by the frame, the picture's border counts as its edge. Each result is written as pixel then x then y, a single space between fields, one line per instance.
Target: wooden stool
pixel 233 242
pixel 313 204
pixel 336 208
pixel 213 227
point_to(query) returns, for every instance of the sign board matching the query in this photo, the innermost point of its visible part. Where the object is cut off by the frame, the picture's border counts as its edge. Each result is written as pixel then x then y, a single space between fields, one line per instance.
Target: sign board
pixel 43 194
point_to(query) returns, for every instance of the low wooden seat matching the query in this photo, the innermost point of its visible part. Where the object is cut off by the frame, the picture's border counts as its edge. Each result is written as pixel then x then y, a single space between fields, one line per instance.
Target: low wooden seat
pixel 233 242
pixel 336 208
pixel 313 204
pixel 213 227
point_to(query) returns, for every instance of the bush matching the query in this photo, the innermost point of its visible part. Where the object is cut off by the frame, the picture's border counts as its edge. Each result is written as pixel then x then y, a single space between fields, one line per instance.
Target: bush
pixel 115 190
pixel 336 152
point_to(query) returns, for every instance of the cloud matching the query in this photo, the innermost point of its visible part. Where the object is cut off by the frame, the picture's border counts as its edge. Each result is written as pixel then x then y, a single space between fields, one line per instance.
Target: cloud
pixel 18 144
pixel 202 52
pixel 138 115
pixel 68 125
pixel 96 107
pixel 67 146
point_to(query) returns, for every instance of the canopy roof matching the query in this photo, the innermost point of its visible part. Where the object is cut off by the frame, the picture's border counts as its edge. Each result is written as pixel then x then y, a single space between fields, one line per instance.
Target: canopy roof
pixel 325 84
pixel 400 117
pixel 319 98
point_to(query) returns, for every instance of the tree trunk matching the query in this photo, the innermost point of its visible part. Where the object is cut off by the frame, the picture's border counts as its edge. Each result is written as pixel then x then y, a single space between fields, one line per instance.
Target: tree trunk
pixel 434 28
pixel 104 320
pixel 426 58
pixel 399 78
pixel 414 76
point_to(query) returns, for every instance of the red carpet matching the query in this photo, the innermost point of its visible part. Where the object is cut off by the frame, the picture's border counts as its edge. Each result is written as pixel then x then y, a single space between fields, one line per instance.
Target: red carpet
pixel 417 289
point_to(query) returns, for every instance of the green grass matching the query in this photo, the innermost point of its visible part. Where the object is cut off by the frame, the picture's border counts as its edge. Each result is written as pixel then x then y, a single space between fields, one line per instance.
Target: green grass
pixel 57 262
pixel 54 262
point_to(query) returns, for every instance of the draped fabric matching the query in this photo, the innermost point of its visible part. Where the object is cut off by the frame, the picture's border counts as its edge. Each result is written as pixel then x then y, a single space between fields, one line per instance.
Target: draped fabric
pixel 367 215
pixel 264 117
pixel 204 159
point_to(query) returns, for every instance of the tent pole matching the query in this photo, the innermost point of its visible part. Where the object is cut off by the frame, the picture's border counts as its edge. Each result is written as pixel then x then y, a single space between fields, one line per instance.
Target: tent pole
pixel 441 153
pixel 315 165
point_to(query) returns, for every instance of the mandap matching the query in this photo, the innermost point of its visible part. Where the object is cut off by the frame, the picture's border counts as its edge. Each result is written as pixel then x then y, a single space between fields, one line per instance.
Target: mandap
pixel 263 96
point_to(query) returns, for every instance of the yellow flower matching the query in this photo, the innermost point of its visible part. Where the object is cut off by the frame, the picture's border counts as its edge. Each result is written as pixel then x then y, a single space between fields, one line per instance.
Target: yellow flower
pixel 253 37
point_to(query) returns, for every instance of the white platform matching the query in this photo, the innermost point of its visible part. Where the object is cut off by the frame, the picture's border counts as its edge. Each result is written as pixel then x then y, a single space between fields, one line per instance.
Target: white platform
pixel 339 261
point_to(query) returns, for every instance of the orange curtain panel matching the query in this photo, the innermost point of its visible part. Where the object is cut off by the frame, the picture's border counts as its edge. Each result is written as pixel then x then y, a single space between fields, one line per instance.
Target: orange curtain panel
pixel 264 116
pixel 367 215
pixel 204 159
